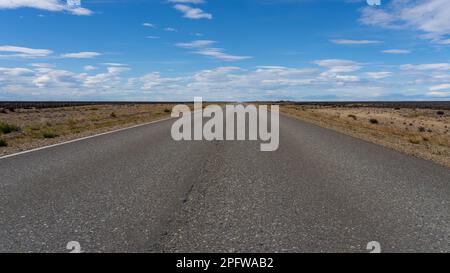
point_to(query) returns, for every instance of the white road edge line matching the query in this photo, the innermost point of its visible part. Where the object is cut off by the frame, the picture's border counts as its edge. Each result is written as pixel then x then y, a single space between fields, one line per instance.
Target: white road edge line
pixel 83 138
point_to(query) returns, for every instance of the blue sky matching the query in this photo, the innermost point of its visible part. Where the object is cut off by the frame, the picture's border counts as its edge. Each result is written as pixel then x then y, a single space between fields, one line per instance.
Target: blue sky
pixel 224 50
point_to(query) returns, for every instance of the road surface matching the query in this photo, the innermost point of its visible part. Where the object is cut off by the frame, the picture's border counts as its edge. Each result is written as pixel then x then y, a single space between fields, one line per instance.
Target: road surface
pixel 137 190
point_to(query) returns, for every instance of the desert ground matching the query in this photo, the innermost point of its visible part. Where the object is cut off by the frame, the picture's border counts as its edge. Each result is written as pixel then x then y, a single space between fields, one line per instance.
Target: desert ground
pixel 27 128
pixel 422 132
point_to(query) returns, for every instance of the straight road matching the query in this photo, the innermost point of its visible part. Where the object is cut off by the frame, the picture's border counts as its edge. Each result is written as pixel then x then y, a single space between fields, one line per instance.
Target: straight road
pixel 139 191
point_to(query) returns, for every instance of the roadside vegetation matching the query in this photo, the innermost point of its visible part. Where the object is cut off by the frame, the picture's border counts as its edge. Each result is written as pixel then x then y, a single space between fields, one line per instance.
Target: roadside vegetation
pixel 423 133
pixel 6 128
pixel 27 128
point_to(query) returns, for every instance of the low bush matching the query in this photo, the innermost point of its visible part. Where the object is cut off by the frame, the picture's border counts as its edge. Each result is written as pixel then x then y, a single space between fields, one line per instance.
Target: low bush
pixel 6 128
pixel 3 143
pixel 415 140
pixel 353 117
pixel 373 121
pixel 49 134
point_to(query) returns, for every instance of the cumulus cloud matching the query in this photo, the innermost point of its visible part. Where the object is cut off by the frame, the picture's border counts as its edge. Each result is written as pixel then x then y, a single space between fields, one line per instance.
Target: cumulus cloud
pixel 325 79
pixel 71 6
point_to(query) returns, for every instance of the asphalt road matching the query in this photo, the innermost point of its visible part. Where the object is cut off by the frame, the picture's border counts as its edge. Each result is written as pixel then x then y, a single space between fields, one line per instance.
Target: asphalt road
pixel 139 191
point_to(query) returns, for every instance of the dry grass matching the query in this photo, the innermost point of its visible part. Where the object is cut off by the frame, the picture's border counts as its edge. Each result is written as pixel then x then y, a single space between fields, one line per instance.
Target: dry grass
pixel 25 129
pixel 423 133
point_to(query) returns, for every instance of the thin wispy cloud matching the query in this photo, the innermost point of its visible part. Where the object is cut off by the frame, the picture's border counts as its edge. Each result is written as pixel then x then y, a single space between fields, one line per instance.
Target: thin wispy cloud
pixel 379 75
pixel 203 48
pixel 170 29
pixel 396 51
pixel 81 55
pixel 23 52
pixel 187 1
pixel 148 25
pixel 355 42
pixel 196 44
pixel 218 53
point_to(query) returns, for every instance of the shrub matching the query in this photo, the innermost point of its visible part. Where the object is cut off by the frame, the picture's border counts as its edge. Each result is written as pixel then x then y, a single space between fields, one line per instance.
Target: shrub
pixel 352 116
pixel 3 111
pixel 373 121
pixel 6 128
pixel 3 143
pixel 166 110
pixel 414 140
pixel 440 113
pixel 421 129
pixel 49 134
pixel 113 115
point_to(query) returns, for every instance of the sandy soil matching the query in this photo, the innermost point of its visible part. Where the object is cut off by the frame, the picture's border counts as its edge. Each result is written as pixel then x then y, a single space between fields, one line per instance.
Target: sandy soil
pixel 41 127
pixel 423 133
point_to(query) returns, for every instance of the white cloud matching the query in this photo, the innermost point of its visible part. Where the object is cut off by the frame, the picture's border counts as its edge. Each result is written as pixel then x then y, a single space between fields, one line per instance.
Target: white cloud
pixel 16 71
pixel 337 70
pixel 330 79
pixel 439 94
pixel 202 48
pixel 431 17
pixel 396 51
pixel 440 87
pixel 338 66
pixel 355 42
pixel 192 13
pixel 90 68
pixel 170 29
pixel 42 65
pixel 196 44
pixel 23 52
pixel 50 5
pixel 148 25
pixel 187 1
pixel 218 53
pixel 114 64
pixel 81 55
pixel 426 67
pixel 152 37
pixel 379 75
